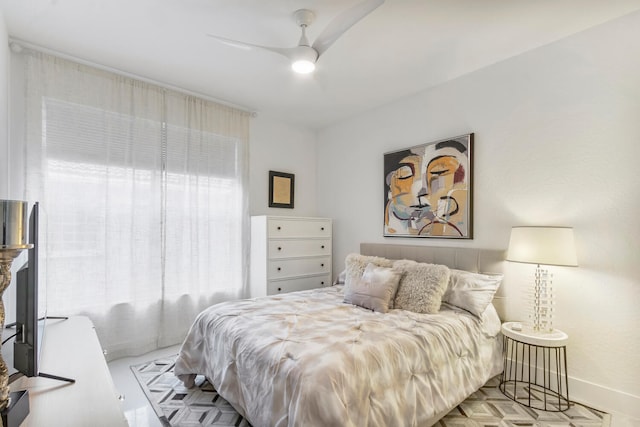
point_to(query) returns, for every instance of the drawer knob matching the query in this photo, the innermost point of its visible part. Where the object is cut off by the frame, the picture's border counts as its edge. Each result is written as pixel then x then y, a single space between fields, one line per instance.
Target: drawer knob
pixel 279 248
pixel 279 228
pixel 322 247
pixel 279 269
pixel 279 289
pixel 321 265
pixel 322 228
pixel 322 283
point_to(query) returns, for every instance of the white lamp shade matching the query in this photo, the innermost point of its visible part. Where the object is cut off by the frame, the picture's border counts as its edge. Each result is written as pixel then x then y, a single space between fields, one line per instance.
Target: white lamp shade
pixel 543 245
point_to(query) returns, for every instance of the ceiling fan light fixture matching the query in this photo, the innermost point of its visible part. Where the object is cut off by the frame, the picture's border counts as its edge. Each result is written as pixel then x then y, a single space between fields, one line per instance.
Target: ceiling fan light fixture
pixel 303 61
pixel 303 66
pixel 304 56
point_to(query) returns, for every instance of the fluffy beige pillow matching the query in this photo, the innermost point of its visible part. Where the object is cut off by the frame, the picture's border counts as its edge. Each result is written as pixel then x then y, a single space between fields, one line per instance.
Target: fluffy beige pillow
pixel 355 265
pixel 421 287
pixel 374 290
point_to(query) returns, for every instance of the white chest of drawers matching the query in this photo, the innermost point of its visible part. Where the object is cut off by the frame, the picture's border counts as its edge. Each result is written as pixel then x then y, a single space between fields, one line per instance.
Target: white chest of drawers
pixel 289 254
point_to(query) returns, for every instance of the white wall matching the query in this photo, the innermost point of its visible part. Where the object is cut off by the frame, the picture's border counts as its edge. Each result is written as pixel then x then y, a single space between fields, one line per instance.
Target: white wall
pixel 4 102
pixel 5 154
pixel 556 143
pixel 283 148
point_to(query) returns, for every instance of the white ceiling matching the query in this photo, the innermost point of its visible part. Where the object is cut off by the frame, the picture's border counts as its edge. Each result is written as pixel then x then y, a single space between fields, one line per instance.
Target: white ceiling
pixel 403 47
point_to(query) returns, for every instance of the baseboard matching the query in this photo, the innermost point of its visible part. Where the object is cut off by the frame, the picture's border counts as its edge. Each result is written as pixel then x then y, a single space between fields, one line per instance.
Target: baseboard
pixel 604 398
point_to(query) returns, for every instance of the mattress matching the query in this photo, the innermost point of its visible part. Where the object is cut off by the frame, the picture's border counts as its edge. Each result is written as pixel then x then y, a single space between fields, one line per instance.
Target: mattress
pixel 308 359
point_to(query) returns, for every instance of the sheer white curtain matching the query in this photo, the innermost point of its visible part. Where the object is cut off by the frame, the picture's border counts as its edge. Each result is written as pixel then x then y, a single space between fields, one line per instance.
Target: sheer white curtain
pixel 143 195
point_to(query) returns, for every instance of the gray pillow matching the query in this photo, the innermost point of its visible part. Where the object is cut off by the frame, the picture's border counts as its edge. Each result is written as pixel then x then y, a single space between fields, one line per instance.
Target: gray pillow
pixel 471 291
pixel 355 265
pixel 421 287
pixel 374 290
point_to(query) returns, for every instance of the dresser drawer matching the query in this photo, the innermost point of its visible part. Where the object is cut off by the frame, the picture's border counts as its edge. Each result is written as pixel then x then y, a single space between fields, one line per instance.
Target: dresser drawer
pixel 290 248
pixel 289 253
pixel 298 284
pixel 280 227
pixel 281 268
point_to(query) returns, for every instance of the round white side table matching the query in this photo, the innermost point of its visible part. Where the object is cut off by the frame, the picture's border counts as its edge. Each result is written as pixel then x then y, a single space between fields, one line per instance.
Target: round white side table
pixel 535 367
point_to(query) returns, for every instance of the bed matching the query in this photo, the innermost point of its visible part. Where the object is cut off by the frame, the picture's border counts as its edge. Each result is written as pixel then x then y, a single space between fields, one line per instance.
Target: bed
pixel 310 359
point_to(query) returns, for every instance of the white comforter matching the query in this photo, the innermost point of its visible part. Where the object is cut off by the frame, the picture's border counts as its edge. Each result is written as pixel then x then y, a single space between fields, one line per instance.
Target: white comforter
pixel 308 359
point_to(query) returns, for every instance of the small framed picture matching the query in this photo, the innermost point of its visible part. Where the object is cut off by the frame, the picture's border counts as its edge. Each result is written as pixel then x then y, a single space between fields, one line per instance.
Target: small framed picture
pixel 281 189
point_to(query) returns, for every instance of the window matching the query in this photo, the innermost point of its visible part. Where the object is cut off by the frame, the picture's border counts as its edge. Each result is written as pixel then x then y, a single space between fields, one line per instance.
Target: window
pixel 143 201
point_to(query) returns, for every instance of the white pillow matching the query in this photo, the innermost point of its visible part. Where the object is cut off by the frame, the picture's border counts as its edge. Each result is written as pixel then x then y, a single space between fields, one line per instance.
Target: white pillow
pixel 421 287
pixel 490 321
pixel 471 291
pixel 341 278
pixel 374 290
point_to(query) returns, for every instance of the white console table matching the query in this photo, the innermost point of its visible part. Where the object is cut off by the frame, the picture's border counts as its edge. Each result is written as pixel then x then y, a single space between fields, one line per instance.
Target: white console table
pixel 71 349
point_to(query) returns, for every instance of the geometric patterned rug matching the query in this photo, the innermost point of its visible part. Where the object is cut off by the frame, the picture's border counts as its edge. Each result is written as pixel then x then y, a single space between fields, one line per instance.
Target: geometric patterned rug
pixel 177 406
pixel 490 407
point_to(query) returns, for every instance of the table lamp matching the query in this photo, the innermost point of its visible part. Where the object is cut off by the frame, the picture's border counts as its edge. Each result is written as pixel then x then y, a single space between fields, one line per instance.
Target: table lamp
pixel 13 239
pixel 542 246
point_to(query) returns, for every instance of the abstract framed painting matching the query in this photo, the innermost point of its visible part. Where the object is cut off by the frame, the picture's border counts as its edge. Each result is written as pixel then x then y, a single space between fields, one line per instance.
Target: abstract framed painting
pixel 428 190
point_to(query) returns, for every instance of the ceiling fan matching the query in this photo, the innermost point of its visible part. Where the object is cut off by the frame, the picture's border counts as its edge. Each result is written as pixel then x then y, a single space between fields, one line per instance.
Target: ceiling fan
pixel 304 56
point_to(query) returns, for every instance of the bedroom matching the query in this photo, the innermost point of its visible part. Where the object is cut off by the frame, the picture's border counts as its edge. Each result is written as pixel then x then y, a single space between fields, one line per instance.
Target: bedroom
pixel 556 130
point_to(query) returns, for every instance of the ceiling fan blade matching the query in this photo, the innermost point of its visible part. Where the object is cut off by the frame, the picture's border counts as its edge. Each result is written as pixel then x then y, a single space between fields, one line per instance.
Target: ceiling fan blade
pixel 249 46
pixel 343 22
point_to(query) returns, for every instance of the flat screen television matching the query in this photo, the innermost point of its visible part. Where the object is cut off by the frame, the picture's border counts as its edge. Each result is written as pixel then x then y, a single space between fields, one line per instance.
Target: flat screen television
pixel 30 326
pixel 29 331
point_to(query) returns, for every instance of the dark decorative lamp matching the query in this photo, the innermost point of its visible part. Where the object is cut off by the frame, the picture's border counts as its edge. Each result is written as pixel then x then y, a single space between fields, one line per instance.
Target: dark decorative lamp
pixel 13 240
pixel 542 246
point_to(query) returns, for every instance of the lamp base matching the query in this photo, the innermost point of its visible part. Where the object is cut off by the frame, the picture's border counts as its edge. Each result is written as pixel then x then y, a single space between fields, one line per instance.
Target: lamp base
pixel 542 307
pixel 18 409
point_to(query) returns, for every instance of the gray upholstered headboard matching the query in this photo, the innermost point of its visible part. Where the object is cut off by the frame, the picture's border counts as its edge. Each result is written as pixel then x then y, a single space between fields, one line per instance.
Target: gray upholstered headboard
pixel 470 259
